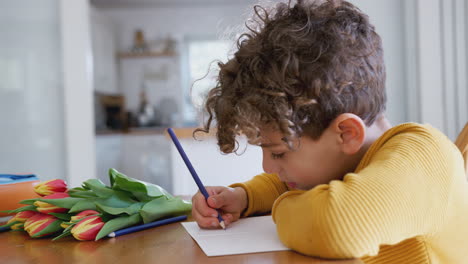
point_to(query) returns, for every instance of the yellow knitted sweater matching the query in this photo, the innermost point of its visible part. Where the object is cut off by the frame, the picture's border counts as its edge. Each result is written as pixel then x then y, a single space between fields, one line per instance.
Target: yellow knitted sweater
pixel 406 202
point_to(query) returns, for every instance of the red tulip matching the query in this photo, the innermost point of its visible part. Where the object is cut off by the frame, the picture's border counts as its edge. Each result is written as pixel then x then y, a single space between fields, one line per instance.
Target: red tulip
pixel 41 225
pixel 23 216
pixel 87 228
pixel 46 208
pixel 77 217
pixel 19 218
pixel 50 187
pixel 83 214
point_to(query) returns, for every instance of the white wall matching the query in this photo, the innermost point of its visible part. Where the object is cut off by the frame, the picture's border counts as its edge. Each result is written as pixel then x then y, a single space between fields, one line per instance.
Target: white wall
pixel 388 19
pixel 45 94
pixel 32 130
pixel 104 61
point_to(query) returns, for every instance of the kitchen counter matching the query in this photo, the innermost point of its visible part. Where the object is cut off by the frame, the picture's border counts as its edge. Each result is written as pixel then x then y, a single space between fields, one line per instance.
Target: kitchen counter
pixel 181 132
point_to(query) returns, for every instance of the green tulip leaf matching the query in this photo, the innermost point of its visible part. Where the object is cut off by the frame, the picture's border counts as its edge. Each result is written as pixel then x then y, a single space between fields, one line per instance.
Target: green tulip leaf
pixel 65 233
pixel 70 226
pixel 118 223
pixel 161 207
pixel 142 197
pixel 63 217
pixel 130 210
pixel 67 202
pixel 76 189
pixel 10 224
pixel 29 201
pixel 141 190
pixel 112 173
pixel 119 199
pixel 87 204
pixel 106 217
pixel 21 209
pixel 81 193
pixel 98 187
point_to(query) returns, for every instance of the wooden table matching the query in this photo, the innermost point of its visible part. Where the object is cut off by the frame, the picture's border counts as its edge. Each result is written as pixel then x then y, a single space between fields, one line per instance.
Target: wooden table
pixel 164 244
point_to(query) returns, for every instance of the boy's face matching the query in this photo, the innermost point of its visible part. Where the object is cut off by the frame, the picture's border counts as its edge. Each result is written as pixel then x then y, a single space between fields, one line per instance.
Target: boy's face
pixel 309 163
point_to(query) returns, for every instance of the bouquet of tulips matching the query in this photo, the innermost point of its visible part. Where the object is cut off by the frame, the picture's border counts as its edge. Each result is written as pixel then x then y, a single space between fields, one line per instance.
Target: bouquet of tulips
pixel 94 210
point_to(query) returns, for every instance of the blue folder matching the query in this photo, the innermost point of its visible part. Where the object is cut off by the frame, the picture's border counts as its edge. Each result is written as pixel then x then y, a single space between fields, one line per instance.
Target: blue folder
pixel 15 178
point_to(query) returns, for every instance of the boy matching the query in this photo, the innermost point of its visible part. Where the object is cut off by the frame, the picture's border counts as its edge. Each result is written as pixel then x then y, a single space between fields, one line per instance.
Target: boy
pixel 307 85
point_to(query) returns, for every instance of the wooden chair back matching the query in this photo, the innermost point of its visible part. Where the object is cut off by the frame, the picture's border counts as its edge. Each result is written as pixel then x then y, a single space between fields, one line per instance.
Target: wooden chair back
pixel 462 144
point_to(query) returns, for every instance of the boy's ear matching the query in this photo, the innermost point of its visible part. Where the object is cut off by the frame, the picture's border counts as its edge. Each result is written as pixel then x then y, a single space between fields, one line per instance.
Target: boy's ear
pixel 350 131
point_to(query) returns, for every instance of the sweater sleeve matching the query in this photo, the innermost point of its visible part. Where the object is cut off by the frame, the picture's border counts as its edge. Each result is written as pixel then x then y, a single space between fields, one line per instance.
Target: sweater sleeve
pixel 401 191
pixel 262 191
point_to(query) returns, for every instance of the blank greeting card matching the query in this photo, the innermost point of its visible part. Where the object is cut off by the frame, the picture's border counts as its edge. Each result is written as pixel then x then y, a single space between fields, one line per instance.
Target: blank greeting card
pixel 247 235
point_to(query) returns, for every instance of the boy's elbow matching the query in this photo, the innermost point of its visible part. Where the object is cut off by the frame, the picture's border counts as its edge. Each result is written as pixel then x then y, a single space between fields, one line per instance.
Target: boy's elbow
pixel 323 244
pixel 316 245
pixel 321 233
pixel 326 231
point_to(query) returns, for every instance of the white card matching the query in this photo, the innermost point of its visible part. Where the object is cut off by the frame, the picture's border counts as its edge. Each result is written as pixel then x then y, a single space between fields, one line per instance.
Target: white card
pixel 247 235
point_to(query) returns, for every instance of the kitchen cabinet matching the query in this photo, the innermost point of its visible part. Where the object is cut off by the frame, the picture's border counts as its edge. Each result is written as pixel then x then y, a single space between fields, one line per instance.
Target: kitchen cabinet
pixel 213 167
pixel 143 157
pixel 108 155
pixel 152 157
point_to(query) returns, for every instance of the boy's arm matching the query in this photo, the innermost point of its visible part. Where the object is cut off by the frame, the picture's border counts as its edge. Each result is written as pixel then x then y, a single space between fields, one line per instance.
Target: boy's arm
pixel 403 192
pixel 262 191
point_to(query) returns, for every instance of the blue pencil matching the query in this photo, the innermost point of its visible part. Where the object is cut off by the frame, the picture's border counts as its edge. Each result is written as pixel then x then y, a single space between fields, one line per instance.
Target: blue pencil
pixel 192 171
pixel 132 229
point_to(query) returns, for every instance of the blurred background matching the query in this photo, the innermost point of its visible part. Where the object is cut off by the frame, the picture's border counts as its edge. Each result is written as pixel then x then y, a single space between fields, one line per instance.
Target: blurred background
pixel 88 85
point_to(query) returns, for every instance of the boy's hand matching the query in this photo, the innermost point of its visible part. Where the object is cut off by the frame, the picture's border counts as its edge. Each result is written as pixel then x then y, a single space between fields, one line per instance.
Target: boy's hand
pixel 230 201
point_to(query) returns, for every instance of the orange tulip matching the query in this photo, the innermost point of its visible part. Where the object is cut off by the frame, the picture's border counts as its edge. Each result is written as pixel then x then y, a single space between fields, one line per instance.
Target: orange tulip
pixel 87 228
pixel 50 187
pixel 41 225
pixel 46 208
pixel 19 219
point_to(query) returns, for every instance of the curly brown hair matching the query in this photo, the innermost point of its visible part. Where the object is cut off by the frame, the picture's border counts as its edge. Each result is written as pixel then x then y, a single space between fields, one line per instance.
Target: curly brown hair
pixel 297 69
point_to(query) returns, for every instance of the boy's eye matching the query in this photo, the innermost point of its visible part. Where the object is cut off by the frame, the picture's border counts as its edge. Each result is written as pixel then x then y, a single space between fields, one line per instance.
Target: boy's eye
pixel 277 156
